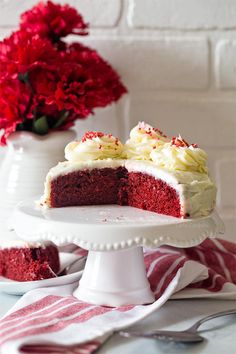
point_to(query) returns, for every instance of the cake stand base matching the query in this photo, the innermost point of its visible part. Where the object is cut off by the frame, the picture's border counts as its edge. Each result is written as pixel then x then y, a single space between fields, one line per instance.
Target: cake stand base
pixel 115 278
pixel 114 274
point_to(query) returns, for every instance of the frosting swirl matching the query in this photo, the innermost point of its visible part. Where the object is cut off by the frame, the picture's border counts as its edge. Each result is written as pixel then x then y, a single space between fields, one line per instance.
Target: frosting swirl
pixel 145 143
pixel 143 138
pixel 94 146
pixel 180 158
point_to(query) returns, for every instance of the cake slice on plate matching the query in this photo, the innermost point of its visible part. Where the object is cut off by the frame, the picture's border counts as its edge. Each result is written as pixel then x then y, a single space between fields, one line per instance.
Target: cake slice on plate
pixel 23 261
pixel 150 172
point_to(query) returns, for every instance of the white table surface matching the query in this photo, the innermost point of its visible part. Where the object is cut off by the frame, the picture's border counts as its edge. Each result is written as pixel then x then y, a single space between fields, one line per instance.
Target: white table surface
pixel 175 315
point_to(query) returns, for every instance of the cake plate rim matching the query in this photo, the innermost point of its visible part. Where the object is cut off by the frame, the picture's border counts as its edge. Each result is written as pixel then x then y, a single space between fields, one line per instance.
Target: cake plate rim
pixel 110 230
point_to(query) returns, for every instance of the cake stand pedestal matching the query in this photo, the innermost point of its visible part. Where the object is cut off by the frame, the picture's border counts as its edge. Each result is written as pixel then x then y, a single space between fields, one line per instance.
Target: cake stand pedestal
pixel 114 273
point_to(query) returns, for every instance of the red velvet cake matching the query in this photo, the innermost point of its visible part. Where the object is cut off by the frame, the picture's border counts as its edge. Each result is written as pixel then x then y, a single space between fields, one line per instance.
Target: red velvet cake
pixel 89 187
pixel 150 172
pixel 21 261
pixel 115 186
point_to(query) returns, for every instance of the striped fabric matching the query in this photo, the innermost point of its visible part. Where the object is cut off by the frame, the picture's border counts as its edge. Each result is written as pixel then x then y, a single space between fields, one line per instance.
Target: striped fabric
pixel 51 320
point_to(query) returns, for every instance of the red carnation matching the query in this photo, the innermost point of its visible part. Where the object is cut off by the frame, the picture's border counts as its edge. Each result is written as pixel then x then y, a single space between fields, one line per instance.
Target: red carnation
pixel 84 81
pixel 47 84
pixel 104 80
pixel 53 21
pixel 14 106
pixel 21 52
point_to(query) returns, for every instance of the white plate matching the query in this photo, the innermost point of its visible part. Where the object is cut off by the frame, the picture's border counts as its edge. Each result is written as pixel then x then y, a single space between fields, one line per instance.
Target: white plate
pixel 13 287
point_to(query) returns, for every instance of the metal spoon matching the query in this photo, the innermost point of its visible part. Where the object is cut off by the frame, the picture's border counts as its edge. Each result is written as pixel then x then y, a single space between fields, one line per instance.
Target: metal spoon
pixel 66 270
pixel 189 335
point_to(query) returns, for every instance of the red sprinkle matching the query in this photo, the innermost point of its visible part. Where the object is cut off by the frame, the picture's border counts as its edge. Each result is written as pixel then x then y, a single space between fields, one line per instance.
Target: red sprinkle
pixel 160 132
pixel 150 131
pixel 91 135
pixel 179 142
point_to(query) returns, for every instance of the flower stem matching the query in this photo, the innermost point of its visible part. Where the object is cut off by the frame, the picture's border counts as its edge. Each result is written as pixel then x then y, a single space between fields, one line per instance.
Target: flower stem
pixel 24 77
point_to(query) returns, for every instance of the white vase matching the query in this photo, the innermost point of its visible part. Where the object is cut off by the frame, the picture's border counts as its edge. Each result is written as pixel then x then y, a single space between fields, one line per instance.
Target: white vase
pixel 26 163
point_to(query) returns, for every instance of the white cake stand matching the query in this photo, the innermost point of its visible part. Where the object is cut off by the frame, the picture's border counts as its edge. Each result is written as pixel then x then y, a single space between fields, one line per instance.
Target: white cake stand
pixel 114 274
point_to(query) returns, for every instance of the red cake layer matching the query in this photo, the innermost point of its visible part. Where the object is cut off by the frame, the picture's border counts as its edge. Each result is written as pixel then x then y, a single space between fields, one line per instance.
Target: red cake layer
pixel 115 186
pixel 89 187
pixel 147 193
pixel 25 264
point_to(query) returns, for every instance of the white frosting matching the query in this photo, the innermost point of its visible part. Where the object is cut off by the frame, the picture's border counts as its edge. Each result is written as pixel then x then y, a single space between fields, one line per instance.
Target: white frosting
pixel 175 158
pixel 148 143
pixel 63 168
pixel 143 139
pixel 94 146
pixel 16 243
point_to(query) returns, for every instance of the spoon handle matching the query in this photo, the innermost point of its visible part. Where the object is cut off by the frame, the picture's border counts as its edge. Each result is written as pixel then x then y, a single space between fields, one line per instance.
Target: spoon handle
pixel 169 336
pixel 210 317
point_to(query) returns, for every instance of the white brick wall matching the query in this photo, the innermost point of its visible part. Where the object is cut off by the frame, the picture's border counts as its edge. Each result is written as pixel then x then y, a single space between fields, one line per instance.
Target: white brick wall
pixel 202 121
pixel 182 14
pixel 178 59
pixel 225 64
pixel 170 63
pixel 102 13
pixel 226 173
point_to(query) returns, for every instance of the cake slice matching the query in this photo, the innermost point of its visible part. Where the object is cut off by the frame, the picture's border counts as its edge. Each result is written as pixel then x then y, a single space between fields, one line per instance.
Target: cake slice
pixel 149 172
pixel 92 175
pixel 22 261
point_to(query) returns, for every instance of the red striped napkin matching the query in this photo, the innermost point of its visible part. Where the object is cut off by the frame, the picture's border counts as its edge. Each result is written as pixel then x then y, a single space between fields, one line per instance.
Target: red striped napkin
pixel 51 320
